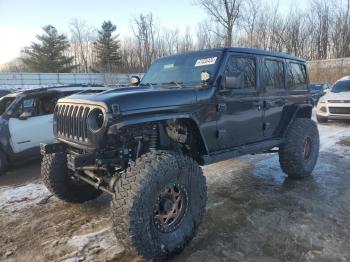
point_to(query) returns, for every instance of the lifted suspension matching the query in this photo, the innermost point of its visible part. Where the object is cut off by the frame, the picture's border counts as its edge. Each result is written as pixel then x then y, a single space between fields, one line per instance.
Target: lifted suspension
pixel 97 182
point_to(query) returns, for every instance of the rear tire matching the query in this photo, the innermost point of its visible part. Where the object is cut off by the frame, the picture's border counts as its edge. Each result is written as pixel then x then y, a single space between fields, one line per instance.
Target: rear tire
pixel 159 204
pixel 3 163
pixel 299 153
pixel 321 119
pixel 60 183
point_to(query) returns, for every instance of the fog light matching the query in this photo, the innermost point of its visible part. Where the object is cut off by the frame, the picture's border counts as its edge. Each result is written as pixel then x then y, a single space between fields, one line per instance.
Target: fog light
pixel 323 109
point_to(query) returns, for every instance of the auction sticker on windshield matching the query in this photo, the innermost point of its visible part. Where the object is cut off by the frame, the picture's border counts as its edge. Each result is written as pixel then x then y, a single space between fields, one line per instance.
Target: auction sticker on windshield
pixel 168 66
pixel 206 61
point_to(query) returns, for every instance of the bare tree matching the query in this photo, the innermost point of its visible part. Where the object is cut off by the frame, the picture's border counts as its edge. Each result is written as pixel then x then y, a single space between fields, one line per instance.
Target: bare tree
pixel 15 65
pixel 340 35
pixel 224 12
pixel 209 35
pixel 320 19
pixel 82 38
pixel 144 32
pixel 251 14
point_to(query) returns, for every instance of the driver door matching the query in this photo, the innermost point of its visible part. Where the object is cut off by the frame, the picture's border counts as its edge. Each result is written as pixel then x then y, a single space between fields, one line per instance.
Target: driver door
pixel 29 126
pixel 240 116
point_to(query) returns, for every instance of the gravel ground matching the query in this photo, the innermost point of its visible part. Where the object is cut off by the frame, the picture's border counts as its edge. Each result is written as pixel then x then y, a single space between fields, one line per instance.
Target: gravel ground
pixel 254 213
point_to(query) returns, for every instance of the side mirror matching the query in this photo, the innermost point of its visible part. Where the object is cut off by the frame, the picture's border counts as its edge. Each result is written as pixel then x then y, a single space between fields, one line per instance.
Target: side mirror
pixel 233 81
pixel 135 80
pixel 24 115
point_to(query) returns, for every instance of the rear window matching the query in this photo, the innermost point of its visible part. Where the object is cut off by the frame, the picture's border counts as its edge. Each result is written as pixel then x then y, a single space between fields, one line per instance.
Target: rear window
pixel 274 74
pixel 296 77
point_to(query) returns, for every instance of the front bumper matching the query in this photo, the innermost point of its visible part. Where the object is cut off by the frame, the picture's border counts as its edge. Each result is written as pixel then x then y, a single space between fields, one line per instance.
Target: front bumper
pixel 334 111
pixel 79 161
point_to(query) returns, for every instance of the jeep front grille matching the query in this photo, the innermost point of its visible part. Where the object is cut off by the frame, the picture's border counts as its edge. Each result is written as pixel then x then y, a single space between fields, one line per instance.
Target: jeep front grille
pixel 71 121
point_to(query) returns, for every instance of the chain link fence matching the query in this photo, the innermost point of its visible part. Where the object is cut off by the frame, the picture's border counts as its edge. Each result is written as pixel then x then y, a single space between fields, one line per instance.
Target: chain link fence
pixel 23 80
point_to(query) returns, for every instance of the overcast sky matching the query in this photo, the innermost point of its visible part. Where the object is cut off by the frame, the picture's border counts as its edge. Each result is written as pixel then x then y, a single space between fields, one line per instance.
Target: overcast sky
pixel 21 20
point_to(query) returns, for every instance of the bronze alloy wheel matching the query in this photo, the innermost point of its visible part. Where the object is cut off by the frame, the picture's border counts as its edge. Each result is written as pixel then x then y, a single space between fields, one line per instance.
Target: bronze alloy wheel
pixel 170 208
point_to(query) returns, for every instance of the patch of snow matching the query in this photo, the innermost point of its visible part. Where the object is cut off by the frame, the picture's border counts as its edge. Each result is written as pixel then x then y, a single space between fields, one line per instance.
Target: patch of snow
pixel 91 243
pixel 21 196
pixel 331 134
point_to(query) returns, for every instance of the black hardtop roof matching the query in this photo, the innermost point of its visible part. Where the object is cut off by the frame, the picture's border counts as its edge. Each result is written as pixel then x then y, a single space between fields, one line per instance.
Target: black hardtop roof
pixel 251 51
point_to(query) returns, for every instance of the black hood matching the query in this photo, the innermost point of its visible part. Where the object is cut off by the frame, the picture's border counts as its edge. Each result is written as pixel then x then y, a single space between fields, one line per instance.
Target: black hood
pixel 135 98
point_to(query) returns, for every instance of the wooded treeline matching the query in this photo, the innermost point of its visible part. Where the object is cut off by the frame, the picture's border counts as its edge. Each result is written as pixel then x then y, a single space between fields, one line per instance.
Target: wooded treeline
pixel 320 31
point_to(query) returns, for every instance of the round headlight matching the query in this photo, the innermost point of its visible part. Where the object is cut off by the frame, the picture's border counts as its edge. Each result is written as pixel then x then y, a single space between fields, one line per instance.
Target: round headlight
pixel 95 120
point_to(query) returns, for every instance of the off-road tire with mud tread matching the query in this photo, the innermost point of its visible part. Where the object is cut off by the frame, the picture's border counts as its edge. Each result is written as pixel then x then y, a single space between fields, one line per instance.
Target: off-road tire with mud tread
pixel 292 152
pixel 321 119
pixel 3 162
pixel 55 175
pixel 136 192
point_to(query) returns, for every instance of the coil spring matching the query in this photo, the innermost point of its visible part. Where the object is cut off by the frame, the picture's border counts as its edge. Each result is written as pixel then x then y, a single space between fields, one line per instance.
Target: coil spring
pixel 154 138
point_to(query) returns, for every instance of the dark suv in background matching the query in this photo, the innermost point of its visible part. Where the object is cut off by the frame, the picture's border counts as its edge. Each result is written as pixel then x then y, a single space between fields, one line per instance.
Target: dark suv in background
pixel 144 145
pixel 317 90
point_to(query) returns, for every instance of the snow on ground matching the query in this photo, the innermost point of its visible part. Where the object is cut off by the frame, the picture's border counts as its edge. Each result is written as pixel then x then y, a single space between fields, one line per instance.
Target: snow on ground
pixel 330 134
pixel 85 233
pixel 15 198
pixel 89 244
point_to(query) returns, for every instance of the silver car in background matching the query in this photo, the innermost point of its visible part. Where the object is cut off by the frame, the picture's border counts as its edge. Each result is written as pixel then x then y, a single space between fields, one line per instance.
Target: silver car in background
pixel 335 104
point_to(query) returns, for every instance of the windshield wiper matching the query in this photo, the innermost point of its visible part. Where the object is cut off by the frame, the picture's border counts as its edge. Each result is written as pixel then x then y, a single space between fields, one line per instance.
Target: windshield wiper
pixel 178 84
pixel 147 84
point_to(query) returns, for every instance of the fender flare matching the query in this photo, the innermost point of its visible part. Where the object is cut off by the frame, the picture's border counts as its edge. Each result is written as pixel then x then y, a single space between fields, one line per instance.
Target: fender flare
pixel 292 112
pixel 157 118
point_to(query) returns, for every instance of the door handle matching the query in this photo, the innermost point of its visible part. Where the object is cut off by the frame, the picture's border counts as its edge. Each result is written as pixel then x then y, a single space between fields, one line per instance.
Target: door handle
pixel 258 105
pixel 267 105
pixel 282 101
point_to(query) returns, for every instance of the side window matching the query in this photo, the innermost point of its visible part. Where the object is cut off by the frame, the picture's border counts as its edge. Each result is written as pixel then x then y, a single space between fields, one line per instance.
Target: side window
pixel 273 74
pixel 245 66
pixel 46 104
pixel 26 108
pixel 37 106
pixel 297 79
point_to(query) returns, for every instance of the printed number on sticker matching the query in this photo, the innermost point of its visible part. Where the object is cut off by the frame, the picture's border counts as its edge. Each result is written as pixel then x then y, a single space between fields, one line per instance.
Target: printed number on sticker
pixel 206 61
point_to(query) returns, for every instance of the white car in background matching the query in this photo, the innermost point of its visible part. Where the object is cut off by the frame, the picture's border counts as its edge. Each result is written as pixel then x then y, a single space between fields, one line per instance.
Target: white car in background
pixel 26 120
pixel 335 104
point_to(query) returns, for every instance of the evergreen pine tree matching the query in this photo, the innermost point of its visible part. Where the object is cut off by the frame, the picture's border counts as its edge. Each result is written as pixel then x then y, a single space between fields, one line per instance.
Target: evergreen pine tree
pixel 107 48
pixel 48 55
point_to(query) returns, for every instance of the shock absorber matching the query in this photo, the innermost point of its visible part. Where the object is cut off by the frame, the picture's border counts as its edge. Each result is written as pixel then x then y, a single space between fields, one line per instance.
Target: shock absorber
pixel 154 142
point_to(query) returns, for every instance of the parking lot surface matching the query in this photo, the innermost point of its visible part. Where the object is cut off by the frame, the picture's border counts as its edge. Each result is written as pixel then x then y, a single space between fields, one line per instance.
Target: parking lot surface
pixel 254 213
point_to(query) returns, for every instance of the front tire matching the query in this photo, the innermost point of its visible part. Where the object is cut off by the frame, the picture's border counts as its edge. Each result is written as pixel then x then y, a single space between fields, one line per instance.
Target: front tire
pixel 58 180
pixel 159 204
pixel 299 153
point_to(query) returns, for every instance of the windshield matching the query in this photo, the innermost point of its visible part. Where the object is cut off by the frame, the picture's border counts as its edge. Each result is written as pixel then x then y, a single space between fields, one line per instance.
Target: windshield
pixel 341 86
pixel 4 103
pixel 182 69
pixel 316 87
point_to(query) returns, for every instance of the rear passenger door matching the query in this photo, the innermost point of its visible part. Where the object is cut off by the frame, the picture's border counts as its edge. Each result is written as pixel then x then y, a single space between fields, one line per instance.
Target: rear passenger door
pixel 275 96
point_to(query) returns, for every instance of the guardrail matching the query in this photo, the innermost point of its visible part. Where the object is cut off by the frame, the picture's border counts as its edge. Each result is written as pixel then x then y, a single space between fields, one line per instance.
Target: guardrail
pixel 42 79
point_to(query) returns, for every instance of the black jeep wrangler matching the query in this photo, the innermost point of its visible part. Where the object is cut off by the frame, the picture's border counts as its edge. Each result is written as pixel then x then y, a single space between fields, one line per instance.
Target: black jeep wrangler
pixel 144 144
